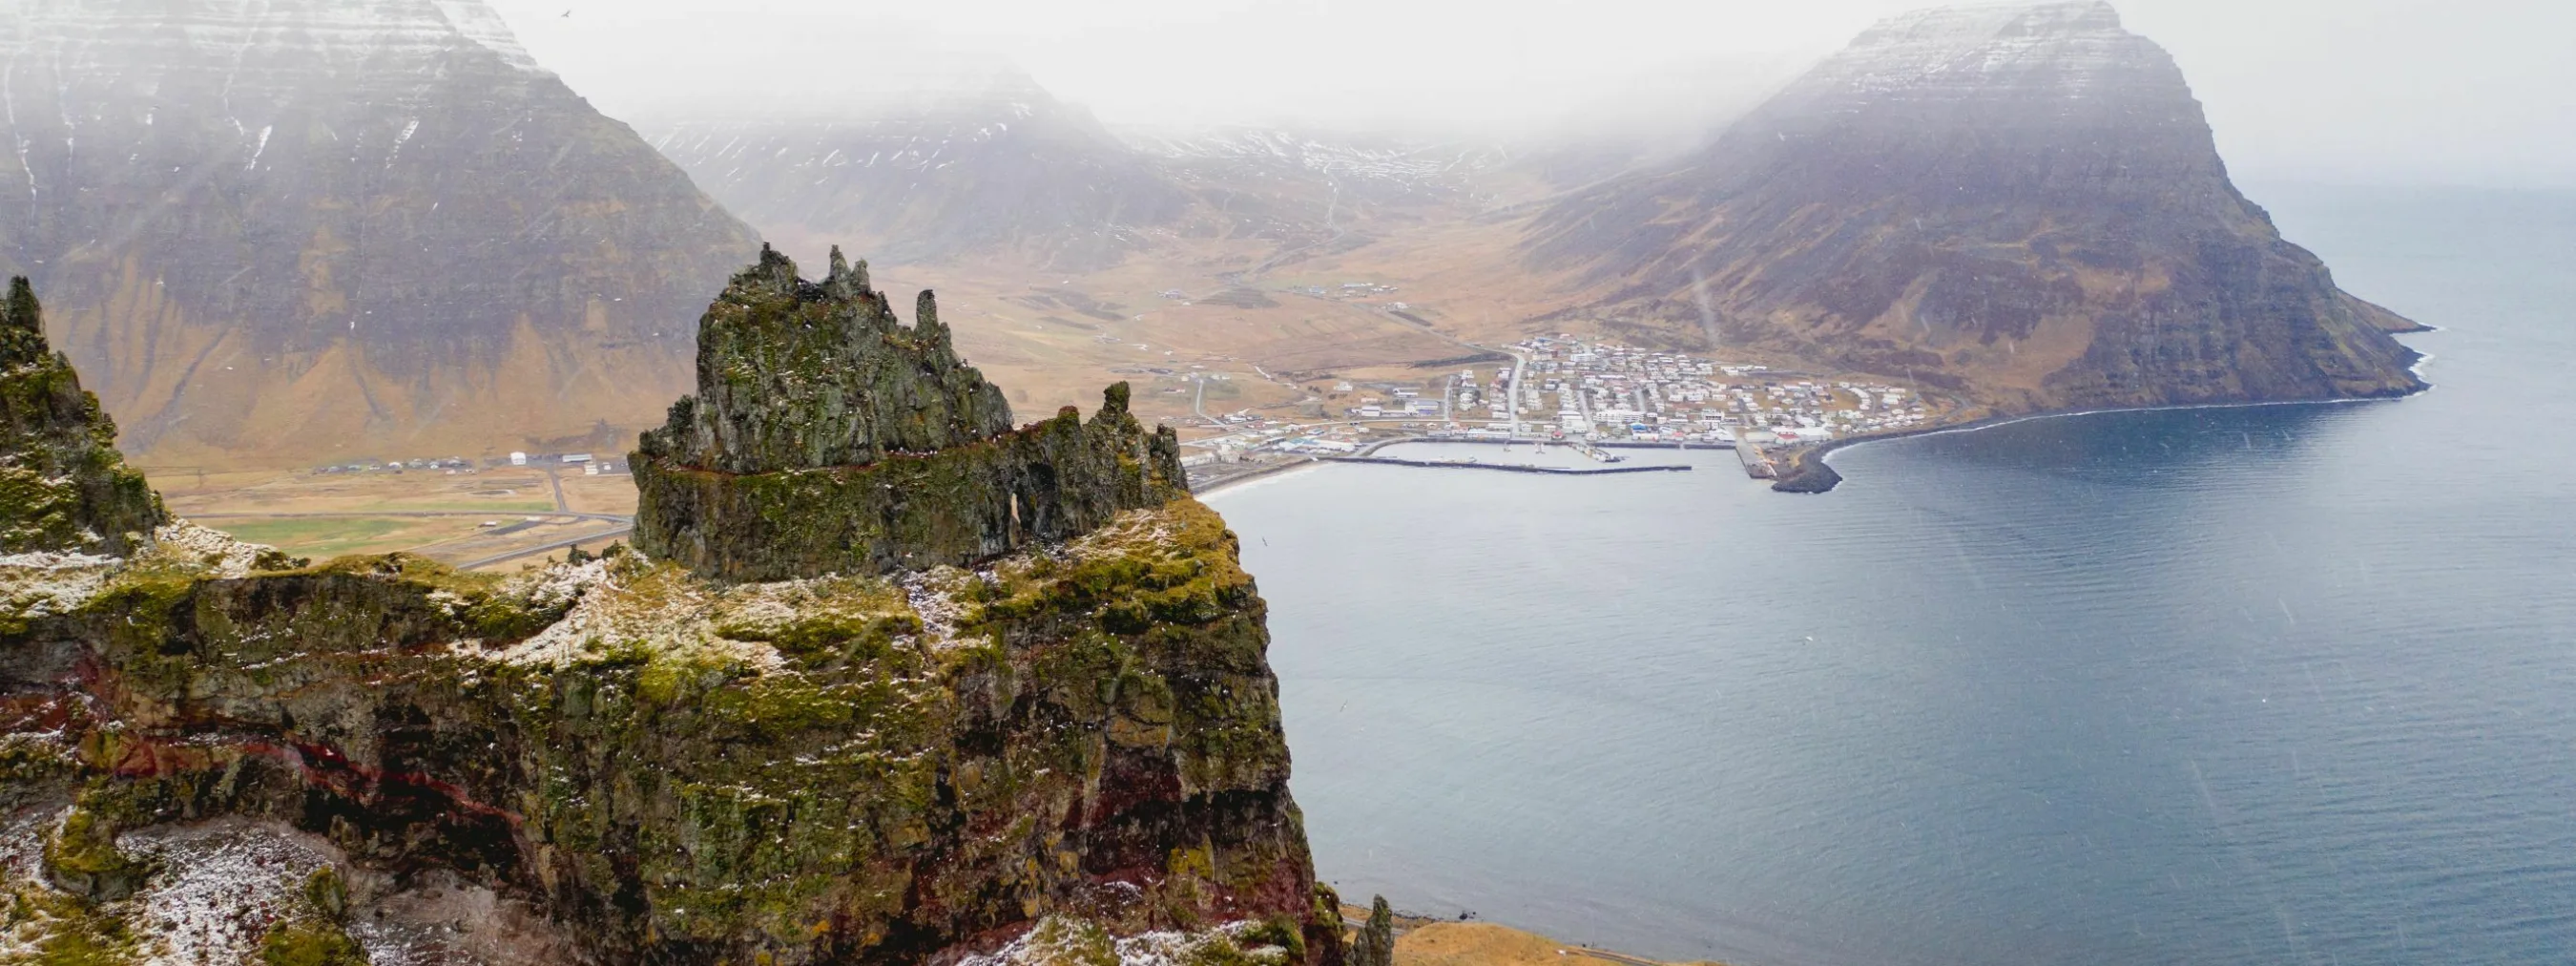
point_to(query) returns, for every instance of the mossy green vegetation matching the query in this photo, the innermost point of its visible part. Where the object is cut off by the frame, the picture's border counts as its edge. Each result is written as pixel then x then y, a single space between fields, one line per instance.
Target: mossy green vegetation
pixel 81 857
pixel 826 438
pixel 794 730
pixel 63 486
pixel 47 928
pixel 316 933
pixel 815 770
pixel 309 941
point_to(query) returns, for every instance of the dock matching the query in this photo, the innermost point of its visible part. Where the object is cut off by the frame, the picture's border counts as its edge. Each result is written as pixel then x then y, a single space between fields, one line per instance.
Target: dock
pixel 1508 467
pixel 1756 465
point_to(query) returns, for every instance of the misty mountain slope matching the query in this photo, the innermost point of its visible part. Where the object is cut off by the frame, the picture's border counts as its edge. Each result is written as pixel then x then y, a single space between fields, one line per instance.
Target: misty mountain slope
pixel 1314 178
pixel 984 164
pixel 2024 202
pixel 320 227
pixel 1004 167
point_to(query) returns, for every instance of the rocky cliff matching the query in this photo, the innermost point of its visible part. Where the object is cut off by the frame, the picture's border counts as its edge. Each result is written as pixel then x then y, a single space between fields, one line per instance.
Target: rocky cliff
pixel 2020 203
pixel 1070 753
pixel 63 486
pixel 826 437
pixel 317 228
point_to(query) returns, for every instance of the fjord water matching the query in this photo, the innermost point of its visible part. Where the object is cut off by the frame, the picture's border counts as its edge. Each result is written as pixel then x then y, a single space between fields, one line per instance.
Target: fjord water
pixel 2283 684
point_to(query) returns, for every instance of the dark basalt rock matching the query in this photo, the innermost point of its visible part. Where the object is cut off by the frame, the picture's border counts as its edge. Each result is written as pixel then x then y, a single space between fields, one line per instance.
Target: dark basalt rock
pixel 647 768
pixel 795 375
pixel 827 438
pixel 63 486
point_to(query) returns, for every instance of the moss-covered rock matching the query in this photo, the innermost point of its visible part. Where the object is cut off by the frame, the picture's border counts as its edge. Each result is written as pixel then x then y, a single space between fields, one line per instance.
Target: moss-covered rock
pixel 839 769
pixel 81 857
pixel 796 375
pixel 310 941
pixel 63 486
pixel 825 438
pixel 676 762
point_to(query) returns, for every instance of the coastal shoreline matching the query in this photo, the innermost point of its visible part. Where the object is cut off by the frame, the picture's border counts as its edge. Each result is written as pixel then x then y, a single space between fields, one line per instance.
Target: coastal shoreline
pixel 1265 473
pixel 1809 469
pixel 1810 473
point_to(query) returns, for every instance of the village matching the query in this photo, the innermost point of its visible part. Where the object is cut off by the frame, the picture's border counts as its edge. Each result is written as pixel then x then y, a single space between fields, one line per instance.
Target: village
pixel 1594 396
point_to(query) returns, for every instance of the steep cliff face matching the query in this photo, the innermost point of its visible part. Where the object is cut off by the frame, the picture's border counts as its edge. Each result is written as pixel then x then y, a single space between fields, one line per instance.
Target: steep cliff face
pixel 211 755
pixel 2020 202
pixel 827 438
pixel 317 227
pixel 63 486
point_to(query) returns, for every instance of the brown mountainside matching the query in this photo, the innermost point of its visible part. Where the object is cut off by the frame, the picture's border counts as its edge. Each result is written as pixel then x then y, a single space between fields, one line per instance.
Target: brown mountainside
pixel 2020 202
pixel 312 230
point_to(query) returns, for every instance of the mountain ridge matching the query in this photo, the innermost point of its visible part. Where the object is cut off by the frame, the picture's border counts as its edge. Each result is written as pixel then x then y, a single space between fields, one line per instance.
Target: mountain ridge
pixel 2018 201
pixel 317 229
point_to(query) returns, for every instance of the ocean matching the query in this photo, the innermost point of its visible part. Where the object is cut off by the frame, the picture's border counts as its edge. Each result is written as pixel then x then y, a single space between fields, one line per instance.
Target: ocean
pixel 2273 684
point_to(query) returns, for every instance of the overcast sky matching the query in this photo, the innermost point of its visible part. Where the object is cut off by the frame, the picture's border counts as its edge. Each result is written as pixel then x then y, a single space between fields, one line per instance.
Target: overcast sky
pixel 2371 91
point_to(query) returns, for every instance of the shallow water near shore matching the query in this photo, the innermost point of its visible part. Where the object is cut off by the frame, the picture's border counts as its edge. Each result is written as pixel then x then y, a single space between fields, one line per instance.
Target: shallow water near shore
pixel 2283 684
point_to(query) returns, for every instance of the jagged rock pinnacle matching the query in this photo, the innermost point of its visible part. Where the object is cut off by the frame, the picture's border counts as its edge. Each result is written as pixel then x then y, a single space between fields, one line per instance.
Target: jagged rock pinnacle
pixel 828 438
pixel 796 375
pixel 63 486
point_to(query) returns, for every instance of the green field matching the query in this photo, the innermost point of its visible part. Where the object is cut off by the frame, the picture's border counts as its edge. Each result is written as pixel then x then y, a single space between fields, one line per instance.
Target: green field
pixel 324 538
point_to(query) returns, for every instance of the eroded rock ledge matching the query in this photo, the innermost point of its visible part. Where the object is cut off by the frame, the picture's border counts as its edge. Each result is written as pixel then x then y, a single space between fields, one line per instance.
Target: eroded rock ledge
pixel 826 437
pixel 1070 752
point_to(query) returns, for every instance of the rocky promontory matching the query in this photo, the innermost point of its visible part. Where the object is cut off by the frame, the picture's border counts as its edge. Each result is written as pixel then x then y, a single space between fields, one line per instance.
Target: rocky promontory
pixel 827 437
pixel 2020 205
pixel 1068 751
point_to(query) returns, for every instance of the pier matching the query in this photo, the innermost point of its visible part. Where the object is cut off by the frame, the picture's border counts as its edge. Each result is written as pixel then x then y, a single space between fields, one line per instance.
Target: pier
pixel 1756 465
pixel 1508 467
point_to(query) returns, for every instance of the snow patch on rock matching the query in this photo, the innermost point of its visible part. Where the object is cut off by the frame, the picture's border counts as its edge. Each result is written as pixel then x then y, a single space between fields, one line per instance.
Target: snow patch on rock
pixel 221 885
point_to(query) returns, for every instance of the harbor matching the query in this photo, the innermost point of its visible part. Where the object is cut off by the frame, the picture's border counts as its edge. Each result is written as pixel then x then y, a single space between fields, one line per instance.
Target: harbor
pixel 1511 467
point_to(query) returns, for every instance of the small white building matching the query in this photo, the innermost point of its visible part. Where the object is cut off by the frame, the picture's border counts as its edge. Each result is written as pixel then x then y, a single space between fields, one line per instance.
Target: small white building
pixel 518 459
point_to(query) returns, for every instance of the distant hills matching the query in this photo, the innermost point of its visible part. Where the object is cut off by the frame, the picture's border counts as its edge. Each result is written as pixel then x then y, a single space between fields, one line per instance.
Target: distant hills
pixel 1004 166
pixel 2022 203
pixel 311 229
pixel 306 230
pixel 1005 169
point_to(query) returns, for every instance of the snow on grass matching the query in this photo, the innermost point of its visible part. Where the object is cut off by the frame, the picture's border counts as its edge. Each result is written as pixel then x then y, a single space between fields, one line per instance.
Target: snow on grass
pixel 1062 941
pixel 220 886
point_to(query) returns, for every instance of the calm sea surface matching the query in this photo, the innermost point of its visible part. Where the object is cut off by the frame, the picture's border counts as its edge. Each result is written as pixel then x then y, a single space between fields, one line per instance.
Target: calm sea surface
pixel 2289 684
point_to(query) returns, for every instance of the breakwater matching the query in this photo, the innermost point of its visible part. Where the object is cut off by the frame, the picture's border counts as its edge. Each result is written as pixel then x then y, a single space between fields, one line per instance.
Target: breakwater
pixel 1509 467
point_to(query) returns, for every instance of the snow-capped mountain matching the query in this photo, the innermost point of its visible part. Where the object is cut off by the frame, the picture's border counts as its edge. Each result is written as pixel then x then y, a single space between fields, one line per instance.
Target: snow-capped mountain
pixel 341 226
pixel 2023 203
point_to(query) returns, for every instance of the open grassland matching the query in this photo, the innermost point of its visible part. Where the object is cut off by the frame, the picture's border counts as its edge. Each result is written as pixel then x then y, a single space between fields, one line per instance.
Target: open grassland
pixel 324 537
pixel 498 491
pixel 432 513
pixel 613 494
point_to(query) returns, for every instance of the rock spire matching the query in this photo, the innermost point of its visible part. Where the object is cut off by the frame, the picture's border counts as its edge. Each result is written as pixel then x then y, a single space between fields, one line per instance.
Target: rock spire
pixel 826 437
pixel 63 485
